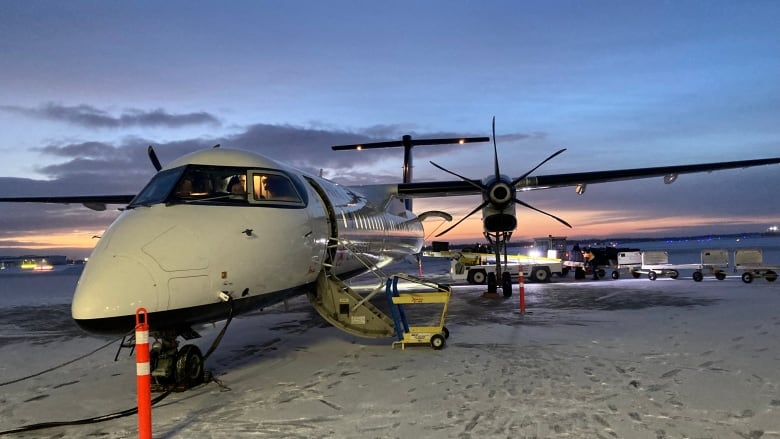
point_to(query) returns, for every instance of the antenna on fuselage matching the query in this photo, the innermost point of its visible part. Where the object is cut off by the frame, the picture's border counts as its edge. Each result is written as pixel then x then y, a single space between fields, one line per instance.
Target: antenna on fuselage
pixel 408 143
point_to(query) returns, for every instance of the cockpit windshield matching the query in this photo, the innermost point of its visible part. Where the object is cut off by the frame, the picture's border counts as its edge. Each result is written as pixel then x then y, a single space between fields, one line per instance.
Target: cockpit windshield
pixel 221 185
pixel 158 188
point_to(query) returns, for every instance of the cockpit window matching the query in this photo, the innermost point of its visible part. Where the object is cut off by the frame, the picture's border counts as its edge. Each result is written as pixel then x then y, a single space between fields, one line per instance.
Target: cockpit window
pixel 158 188
pixel 273 187
pixel 210 183
pixel 220 185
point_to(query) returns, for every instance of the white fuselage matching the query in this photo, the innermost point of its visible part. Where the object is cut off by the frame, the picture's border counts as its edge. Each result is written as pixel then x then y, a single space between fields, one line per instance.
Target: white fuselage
pixel 176 259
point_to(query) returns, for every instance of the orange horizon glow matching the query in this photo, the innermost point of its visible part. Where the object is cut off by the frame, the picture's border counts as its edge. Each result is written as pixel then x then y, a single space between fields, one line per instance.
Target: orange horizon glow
pixel 588 224
pixel 591 224
pixel 79 239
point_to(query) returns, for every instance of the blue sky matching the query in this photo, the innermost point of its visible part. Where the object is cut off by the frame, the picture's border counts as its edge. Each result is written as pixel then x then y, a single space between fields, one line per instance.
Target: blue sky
pixel 86 85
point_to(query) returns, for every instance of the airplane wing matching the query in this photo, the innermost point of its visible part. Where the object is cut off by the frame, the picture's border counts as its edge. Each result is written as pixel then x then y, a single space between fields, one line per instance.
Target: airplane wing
pixel 94 202
pixel 579 179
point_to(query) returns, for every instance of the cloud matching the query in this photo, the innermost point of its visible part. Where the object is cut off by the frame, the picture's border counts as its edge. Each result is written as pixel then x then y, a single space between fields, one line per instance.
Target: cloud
pixel 122 167
pixel 91 117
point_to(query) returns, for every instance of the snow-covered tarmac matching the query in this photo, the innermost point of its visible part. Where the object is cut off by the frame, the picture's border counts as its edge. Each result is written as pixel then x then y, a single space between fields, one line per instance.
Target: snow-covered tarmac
pixel 590 359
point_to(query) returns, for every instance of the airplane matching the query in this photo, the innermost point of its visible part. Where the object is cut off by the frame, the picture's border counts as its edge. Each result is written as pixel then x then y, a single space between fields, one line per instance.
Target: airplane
pixel 220 232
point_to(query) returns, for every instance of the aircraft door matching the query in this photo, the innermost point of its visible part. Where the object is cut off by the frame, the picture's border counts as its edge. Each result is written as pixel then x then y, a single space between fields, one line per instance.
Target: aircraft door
pixel 322 207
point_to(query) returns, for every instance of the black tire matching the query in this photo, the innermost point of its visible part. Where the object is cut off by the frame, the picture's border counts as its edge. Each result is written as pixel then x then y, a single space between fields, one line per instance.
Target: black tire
pixel 565 271
pixel 697 276
pixel 652 275
pixel 445 331
pixel 540 274
pixel 636 274
pixel 506 284
pixel 747 277
pixel 601 273
pixel 720 275
pixel 674 274
pixel 770 276
pixel 189 366
pixel 437 341
pixel 477 277
pixel 615 275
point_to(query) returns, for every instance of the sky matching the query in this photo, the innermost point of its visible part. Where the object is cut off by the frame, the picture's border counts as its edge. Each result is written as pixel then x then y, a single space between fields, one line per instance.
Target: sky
pixel 87 85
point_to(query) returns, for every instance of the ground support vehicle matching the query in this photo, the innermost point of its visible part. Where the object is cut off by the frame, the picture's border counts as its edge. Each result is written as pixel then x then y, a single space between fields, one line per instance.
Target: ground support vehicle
pixel 630 261
pixel 656 263
pixel 554 247
pixel 474 267
pixel 603 258
pixel 435 335
pixel 751 262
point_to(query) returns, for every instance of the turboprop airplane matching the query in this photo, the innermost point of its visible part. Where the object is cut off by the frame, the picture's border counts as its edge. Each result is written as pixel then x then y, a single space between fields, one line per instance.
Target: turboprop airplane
pixel 220 232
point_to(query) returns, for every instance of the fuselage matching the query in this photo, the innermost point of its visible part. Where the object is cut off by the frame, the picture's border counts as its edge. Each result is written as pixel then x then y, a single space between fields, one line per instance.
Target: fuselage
pixel 225 223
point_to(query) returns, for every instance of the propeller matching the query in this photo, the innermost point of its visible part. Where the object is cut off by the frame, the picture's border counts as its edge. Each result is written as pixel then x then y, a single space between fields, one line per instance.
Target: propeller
pixel 498 194
pixel 153 158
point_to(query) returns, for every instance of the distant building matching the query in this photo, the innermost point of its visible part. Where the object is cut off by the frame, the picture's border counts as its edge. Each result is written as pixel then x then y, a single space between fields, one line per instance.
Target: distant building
pixel 32 262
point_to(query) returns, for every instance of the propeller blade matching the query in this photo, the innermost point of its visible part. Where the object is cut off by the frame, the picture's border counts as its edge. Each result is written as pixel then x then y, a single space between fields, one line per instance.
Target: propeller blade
pixel 153 158
pixel 495 149
pixel 522 203
pixel 478 186
pixel 518 179
pixel 485 203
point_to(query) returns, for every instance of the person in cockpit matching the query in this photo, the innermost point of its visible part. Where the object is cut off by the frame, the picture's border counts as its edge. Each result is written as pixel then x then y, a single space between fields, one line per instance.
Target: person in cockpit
pixel 278 188
pixel 237 186
pixel 184 189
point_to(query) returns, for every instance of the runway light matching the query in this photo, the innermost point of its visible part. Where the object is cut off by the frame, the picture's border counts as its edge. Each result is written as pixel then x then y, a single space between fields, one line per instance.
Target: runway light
pixel 359 147
pixel 462 141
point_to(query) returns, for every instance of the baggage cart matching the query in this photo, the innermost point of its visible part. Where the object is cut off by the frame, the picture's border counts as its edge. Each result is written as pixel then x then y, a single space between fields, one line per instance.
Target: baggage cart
pixel 751 262
pixel 656 263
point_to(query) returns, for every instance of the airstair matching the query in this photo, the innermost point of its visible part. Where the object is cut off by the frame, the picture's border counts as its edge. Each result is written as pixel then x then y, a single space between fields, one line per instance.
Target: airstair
pixel 348 311
pixel 354 313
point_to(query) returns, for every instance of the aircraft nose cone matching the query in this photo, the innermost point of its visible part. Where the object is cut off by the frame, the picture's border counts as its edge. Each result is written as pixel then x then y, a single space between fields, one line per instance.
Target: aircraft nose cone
pixel 110 290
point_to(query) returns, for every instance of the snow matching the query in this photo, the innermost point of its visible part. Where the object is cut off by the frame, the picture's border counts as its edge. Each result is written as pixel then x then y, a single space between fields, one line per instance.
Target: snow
pixel 630 358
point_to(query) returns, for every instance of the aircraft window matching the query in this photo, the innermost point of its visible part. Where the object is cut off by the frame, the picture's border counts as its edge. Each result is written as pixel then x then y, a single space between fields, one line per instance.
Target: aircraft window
pixel 158 189
pixel 274 187
pixel 211 184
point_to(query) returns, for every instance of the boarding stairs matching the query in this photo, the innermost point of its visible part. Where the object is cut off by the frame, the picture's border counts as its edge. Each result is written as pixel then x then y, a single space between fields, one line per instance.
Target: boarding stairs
pixel 354 313
pixel 344 308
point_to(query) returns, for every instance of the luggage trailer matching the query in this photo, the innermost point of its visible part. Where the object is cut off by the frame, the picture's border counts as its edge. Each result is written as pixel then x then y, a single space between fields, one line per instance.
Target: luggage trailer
pixel 630 261
pixel 751 262
pixel 656 263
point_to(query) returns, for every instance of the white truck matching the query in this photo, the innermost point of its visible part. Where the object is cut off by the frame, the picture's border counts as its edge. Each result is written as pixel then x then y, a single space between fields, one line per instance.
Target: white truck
pixel 474 267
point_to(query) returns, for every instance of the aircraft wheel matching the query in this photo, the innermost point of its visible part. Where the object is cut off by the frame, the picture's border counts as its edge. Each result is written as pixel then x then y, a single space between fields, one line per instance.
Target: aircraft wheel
pixel 492 281
pixel 747 277
pixel 771 276
pixel 445 331
pixel 437 341
pixel 477 277
pixel 189 366
pixel 720 275
pixel 506 284
pixel 697 276
pixel 616 275
pixel 652 275
pixel 674 274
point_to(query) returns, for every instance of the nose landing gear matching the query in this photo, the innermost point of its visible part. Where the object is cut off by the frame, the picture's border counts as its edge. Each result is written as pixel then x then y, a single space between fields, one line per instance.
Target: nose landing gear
pixel 175 368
